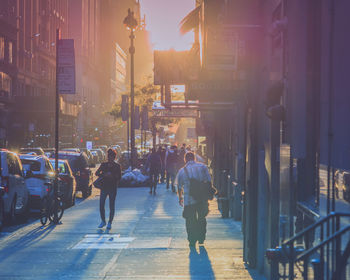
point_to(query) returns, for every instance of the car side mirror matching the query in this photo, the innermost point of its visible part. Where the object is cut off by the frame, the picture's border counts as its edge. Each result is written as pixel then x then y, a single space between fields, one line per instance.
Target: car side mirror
pixel 28 173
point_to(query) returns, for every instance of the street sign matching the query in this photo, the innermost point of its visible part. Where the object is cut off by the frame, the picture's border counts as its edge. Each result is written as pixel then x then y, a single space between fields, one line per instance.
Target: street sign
pixel 89 145
pixel 65 66
pixel 215 90
pixel 175 113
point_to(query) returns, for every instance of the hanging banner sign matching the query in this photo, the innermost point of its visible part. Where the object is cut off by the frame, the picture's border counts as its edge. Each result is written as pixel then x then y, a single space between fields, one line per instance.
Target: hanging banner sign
pixel 66 66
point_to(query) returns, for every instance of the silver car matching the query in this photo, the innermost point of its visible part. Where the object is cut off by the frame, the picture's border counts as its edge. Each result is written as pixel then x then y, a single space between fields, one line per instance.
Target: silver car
pixel 15 193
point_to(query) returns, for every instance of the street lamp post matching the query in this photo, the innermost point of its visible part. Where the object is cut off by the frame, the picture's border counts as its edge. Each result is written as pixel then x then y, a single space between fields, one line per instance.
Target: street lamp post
pixel 131 24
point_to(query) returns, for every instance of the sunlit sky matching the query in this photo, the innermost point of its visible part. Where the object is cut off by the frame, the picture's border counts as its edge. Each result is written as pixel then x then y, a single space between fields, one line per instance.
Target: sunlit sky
pixel 162 21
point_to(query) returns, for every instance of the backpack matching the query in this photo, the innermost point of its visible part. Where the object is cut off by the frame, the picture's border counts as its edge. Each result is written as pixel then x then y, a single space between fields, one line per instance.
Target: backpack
pixel 200 191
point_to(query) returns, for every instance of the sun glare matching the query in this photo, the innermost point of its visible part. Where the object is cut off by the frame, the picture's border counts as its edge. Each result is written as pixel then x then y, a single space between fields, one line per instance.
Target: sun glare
pixel 162 21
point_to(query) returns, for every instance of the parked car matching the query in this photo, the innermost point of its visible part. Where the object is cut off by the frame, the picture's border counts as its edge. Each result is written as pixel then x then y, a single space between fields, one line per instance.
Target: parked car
pixel 90 157
pixel 38 151
pixel 118 150
pixel 2 215
pixel 49 152
pixel 81 170
pixel 67 183
pixel 75 150
pixel 104 148
pixel 15 196
pixel 39 178
pixel 95 157
pixel 101 155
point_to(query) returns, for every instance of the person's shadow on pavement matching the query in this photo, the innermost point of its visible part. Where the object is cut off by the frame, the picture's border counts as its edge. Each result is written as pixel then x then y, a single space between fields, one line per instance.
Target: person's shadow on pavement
pixel 200 264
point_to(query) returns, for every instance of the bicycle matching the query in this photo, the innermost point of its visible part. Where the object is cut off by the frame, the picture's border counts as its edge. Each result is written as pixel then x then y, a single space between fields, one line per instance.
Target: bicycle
pixel 47 211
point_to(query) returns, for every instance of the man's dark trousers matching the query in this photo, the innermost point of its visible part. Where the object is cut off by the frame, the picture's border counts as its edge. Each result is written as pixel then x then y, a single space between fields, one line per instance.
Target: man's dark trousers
pixel 196 223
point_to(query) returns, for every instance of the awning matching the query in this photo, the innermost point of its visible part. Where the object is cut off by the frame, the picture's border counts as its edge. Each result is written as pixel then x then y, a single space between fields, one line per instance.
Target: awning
pixel 190 21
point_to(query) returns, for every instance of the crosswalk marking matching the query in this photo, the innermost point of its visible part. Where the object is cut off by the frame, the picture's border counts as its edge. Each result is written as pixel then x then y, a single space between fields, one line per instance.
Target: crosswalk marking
pixel 104 241
pixel 114 241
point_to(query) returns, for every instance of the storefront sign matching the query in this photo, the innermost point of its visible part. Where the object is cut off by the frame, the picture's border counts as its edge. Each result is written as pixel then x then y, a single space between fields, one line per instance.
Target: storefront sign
pixel 66 66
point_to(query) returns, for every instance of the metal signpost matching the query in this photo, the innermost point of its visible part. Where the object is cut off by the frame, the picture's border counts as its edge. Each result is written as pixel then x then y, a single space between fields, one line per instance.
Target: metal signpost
pixel 65 84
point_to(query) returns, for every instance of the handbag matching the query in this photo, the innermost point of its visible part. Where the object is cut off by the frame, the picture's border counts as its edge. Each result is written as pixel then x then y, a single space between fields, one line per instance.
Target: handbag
pixel 200 190
pixel 98 183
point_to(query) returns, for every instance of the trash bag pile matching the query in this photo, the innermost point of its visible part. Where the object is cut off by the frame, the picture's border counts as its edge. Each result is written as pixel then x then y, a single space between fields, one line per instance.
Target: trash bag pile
pixel 134 178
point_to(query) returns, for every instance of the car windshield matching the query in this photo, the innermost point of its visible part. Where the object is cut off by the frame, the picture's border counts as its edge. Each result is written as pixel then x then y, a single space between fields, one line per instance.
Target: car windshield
pixel 31 165
pixel 37 151
pixel 61 166
pixel 76 162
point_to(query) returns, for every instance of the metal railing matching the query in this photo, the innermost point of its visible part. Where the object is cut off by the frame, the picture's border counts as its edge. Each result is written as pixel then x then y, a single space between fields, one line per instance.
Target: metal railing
pixel 319 248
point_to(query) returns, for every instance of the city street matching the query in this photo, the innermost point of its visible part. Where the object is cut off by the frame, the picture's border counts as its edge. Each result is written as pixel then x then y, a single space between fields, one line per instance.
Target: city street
pixel 147 241
pixel 340 204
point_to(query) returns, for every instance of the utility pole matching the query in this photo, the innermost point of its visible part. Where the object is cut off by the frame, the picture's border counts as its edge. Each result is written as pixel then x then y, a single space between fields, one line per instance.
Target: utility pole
pixel 131 24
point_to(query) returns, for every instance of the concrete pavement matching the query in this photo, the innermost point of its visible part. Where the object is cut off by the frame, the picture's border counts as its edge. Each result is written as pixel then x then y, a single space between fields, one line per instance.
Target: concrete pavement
pixel 147 241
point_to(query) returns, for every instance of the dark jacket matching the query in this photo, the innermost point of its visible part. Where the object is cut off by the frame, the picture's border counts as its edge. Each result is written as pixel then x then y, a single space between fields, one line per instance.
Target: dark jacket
pixel 111 173
pixel 154 163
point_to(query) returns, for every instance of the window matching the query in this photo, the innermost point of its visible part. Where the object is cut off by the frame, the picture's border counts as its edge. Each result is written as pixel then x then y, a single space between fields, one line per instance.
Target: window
pixel 2 48
pixel 48 166
pixel 18 168
pixel 10 52
pixel 11 164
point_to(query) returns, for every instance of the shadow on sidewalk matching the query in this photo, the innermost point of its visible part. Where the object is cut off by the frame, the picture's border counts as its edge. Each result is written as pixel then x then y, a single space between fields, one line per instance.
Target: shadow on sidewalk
pixel 200 264
pixel 34 236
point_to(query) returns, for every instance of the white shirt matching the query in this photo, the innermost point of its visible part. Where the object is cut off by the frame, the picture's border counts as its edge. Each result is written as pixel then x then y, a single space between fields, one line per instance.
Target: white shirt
pixel 195 170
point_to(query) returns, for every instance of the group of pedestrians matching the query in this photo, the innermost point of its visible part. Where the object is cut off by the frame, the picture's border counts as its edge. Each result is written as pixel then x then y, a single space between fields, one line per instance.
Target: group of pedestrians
pixel 164 163
pixel 170 165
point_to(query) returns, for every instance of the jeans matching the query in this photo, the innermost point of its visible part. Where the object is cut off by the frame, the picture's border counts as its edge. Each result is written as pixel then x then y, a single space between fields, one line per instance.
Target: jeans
pixel 112 193
pixel 196 223
pixel 170 176
pixel 154 181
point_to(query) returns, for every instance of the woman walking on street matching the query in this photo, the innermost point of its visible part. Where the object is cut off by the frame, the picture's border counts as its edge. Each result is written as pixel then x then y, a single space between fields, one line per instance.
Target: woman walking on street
pixel 111 174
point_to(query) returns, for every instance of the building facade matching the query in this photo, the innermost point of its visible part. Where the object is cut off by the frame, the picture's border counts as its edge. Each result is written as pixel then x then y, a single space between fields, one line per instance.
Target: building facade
pixel 8 66
pixel 30 51
pixel 278 68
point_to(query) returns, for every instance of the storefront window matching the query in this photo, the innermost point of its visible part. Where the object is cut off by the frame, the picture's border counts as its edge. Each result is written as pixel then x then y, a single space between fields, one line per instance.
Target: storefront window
pixel 2 48
pixel 10 52
pixel 5 85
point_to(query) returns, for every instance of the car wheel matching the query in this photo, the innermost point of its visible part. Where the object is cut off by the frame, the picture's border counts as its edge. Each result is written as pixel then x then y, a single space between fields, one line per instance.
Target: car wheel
pixel 90 189
pixel 26 212
pixel 73 199
pixel 2 215
pixel 85 193
pixel 11 216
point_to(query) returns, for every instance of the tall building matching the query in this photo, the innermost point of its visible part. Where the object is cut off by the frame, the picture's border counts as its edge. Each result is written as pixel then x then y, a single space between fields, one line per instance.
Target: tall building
pixel 34 53
pixel 8 68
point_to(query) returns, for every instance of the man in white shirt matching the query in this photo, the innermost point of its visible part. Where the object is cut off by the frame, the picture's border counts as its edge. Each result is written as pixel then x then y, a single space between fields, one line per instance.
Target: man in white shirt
pixel 194 211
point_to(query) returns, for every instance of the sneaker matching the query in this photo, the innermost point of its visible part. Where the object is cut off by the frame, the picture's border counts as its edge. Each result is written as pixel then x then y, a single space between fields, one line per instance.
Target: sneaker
pixel 109 225
pixel 102 224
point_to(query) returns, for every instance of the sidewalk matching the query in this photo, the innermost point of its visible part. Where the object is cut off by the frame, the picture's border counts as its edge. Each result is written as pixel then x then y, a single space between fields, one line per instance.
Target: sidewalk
pixel 147 241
